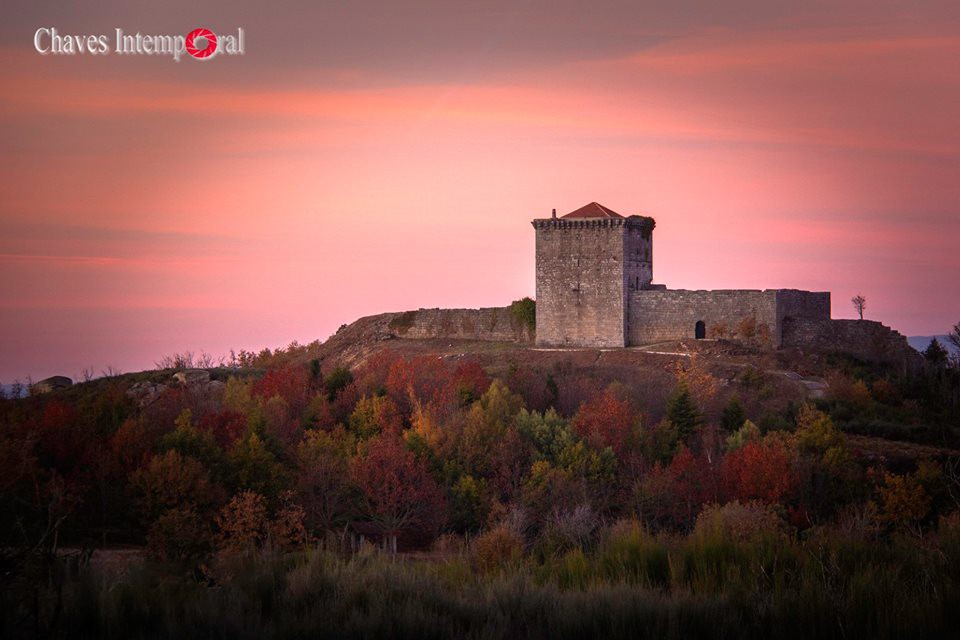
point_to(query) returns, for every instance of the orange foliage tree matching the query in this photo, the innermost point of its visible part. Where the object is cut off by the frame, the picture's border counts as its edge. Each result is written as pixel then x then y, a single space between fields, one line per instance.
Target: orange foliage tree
pixel 607 421
pixel 764 470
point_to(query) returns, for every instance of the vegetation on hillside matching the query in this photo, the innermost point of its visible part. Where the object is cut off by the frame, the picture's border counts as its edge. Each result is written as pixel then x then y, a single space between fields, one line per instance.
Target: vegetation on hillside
pixel 539 502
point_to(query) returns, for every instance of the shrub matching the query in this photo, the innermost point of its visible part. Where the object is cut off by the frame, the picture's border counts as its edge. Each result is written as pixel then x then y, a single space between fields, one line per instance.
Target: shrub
pixel 903 500
pixel 496 550
pixel 180 535
pixel 738 521
pixel 629 552
pixel 570 528
pixel 524 312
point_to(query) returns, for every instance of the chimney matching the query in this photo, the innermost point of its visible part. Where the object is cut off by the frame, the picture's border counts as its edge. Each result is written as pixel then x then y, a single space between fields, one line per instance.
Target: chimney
pixel 554 215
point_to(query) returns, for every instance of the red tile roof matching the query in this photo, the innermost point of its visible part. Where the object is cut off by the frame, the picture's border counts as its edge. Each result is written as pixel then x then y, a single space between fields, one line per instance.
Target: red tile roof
pixel 593 210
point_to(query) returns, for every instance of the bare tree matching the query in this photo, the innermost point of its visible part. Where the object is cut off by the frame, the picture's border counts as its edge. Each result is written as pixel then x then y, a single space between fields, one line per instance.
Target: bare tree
pixel 110 372
pixel 859 303
pixel 954 336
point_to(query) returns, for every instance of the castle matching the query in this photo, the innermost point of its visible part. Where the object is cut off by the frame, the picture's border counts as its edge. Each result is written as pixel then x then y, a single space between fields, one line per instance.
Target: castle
pixel 594 288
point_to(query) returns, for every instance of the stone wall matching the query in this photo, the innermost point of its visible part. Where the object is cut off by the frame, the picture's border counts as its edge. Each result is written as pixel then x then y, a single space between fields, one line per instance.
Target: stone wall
pixel 864 339
pixel 793 303
pixel 496 324
pixel 672 314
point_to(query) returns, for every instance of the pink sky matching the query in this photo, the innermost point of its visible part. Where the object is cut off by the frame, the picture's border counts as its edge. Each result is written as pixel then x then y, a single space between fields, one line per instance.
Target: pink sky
pixel 363 158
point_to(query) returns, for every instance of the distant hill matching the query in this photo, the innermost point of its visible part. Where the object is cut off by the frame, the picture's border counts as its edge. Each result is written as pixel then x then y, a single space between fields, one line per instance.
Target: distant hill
pixel 8 389
pixel 920 343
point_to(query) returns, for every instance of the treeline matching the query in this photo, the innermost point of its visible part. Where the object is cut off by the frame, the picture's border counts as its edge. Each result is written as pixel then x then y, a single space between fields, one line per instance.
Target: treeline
pixel 535 469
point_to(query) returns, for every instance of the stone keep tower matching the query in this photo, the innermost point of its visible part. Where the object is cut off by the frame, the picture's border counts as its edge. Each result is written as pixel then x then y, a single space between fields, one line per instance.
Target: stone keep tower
pixel 588 262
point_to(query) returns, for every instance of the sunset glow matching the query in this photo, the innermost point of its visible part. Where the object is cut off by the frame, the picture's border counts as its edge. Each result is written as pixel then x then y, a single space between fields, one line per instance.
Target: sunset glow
pixel 346 166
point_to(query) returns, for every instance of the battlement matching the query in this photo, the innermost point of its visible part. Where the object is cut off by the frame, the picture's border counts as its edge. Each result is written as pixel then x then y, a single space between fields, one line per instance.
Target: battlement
pixel 643 223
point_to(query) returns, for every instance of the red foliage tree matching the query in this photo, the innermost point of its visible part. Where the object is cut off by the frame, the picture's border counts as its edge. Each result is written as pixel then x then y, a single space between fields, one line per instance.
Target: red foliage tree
pixel 227 426
pixel 400 494
pixel 424 377
pixel 536 388
pixel 468 382
pixel 292 383
pixel 60 434
pixel 131 445
pixel 607 421
pixel 676 493
pixel 764 471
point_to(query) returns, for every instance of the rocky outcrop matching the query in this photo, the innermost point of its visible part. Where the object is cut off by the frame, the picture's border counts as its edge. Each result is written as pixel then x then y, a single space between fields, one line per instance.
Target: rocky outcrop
pixel 195 380
pixel 53 383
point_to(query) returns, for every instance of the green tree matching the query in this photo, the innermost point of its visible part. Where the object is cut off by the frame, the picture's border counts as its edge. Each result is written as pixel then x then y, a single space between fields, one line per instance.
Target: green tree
pixel 524 312
pixel 936 354
pixel 189 441
pixel 548 433
pixel 733 415
pixel 682 412
pixel 255 468
pixel 336 381
pixel 468 508
pixel 748 432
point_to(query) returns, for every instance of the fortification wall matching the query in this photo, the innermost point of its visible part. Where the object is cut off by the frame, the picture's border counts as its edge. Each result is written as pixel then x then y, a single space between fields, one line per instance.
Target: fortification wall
pixel 672 314
pixel 794 303
pixel 581 284
pixel 497 324
pixel 864 339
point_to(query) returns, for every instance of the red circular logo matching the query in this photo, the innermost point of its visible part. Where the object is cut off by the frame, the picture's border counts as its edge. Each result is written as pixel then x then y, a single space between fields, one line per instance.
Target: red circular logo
pixel 206 38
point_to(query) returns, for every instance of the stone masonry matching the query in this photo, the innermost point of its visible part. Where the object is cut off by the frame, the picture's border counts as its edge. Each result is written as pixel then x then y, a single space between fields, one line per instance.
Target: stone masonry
pixel 588 262
pixel 595 289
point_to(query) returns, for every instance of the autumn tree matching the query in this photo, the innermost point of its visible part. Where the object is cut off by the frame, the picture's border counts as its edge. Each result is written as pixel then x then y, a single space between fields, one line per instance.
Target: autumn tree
pixel 469 504
pixel 400 495
pixel 171 480
pixel 60 435
pixel 319 412
pixel 194 443
pixel 323 478
pixel 174 494
pixel 748 432
pixel 581 476
pixel 831 476
pixel 761 470
pixel 292 383
pixel 659 442
pixel 246 525
pixel 607 421
pixel 477 442
pixel 227 426
pixel 674 494
pixel 903 500
pixel 373 415
pixel 254 467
